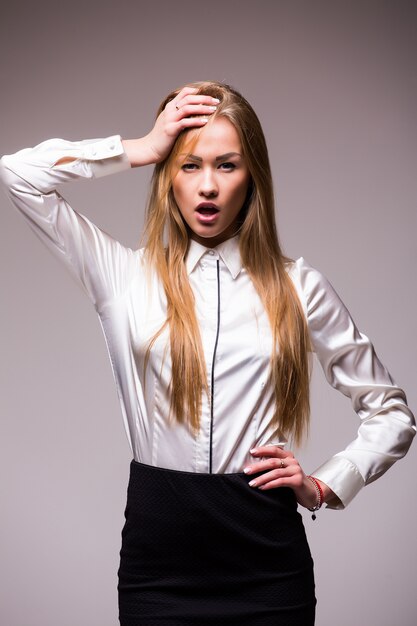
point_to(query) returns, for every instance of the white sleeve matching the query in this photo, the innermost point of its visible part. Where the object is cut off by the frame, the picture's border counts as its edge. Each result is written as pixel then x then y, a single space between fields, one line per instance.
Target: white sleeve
pixel 96 260
pixel 350 364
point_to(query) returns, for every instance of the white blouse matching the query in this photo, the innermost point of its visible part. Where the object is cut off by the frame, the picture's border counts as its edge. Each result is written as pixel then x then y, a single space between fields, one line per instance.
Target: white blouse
pixel 234 327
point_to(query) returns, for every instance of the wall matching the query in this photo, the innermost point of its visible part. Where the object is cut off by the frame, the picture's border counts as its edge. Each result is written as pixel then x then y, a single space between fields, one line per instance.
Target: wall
pixel 334 85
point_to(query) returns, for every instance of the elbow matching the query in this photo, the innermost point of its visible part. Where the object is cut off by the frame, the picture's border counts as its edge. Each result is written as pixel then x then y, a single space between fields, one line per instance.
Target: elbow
pixel 3 168
pixel 411 433
pixel 7 176
pixel 15 177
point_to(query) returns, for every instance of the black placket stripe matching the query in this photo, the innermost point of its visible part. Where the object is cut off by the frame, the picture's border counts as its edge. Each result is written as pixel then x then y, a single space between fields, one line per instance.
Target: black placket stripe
pixel 212 369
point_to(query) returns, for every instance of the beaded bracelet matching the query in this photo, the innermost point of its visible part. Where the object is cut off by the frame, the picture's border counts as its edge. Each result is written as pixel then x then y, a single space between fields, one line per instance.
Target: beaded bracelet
pixel 320 497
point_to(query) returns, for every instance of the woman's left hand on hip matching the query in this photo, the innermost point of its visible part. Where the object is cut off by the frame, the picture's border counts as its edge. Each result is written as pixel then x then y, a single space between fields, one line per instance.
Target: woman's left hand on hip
pixel 281 469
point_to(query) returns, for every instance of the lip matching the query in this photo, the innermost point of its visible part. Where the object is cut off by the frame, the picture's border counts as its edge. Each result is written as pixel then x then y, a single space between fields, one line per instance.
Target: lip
pixel 207 218
pixel 207 205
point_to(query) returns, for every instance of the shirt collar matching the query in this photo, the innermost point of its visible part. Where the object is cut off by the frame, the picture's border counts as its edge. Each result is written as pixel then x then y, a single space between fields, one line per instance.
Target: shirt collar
pixel 228 251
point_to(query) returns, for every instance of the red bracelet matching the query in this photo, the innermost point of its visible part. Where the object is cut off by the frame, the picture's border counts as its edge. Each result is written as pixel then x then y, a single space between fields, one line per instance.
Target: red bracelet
pixel 320 496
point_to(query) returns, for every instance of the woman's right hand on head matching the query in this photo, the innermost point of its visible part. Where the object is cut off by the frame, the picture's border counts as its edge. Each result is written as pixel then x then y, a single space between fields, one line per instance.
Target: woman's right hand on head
pixel 186 110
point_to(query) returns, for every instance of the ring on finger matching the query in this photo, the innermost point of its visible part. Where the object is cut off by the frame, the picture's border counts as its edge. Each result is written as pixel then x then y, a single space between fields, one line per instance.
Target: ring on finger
pixel 282 464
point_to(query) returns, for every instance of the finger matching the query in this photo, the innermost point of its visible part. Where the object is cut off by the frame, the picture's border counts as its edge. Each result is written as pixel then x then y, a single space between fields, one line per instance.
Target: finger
pixel 278 482
pixel 283 475
pixel 185 91
pixel 294 482
pixel 188 89
pixel 270 464
pixel 196 109
pixel 270 450
pixel 185 109
pixel 196 119
pixel 190 122
pixel 195 100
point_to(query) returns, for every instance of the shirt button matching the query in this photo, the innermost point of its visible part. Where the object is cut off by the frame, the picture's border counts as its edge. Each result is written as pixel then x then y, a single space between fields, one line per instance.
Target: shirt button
pixel 211 252
pixel 111 146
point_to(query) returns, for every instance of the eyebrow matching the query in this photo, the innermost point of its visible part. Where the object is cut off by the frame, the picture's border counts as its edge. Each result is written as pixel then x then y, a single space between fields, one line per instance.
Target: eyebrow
pixel 193 157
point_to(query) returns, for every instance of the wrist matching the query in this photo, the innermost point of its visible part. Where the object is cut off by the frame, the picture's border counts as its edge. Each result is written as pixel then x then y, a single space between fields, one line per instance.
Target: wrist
pixel 139 151
pixel 328 494
pixel 319 495
pixel 306 494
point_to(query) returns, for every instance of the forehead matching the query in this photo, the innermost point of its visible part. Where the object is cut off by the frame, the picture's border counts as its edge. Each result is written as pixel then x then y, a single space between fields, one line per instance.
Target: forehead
pixel 217 137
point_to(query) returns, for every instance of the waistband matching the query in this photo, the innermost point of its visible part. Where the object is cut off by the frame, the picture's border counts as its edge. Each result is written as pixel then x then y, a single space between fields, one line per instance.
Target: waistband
pixel 137 465
pixel 142 472
pixel 145 480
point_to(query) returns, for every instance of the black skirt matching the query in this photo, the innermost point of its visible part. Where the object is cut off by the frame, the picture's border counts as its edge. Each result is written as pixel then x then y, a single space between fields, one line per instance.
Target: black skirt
pixel 207 549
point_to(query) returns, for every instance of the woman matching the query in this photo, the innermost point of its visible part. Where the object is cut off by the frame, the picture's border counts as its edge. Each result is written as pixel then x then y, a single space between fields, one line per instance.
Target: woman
pixel 209 329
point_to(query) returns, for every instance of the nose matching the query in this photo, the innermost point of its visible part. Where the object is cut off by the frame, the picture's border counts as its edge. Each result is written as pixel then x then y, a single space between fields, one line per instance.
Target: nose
pixel 208 183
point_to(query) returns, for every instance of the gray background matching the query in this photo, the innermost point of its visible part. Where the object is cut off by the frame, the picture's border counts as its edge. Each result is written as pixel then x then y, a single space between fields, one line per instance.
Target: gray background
pixel 334 84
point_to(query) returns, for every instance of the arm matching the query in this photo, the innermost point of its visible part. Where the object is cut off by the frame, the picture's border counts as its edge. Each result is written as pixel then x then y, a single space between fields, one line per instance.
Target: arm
pixel 351 366
pixel 31 176
pixel 100 264
pixel 185 111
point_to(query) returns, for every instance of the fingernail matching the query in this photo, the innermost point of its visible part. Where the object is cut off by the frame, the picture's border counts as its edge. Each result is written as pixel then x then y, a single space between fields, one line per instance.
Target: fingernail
pixel 252 483
pixel 253 450
pixel 204 119
pixel 247 470
pixel 216 99
pixel 213 108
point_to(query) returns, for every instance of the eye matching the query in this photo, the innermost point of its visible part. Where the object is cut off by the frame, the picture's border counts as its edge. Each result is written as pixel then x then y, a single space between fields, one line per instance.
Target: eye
pixel 188 167
pixel 228 166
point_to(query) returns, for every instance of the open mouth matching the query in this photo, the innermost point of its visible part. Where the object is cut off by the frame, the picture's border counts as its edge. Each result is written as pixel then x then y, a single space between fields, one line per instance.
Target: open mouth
pixel 207 209
pixel 207 212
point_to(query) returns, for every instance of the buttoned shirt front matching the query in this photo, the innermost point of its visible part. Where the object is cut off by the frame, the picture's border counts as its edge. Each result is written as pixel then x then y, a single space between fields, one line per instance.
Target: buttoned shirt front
pixel 131 306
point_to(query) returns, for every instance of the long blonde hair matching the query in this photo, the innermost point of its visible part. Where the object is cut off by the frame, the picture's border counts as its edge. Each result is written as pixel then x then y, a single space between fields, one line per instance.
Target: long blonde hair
pixel 167 242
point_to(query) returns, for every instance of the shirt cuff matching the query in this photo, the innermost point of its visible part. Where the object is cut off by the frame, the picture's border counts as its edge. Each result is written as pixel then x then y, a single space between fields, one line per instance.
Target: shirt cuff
pixel 343 478
pixel 105 156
